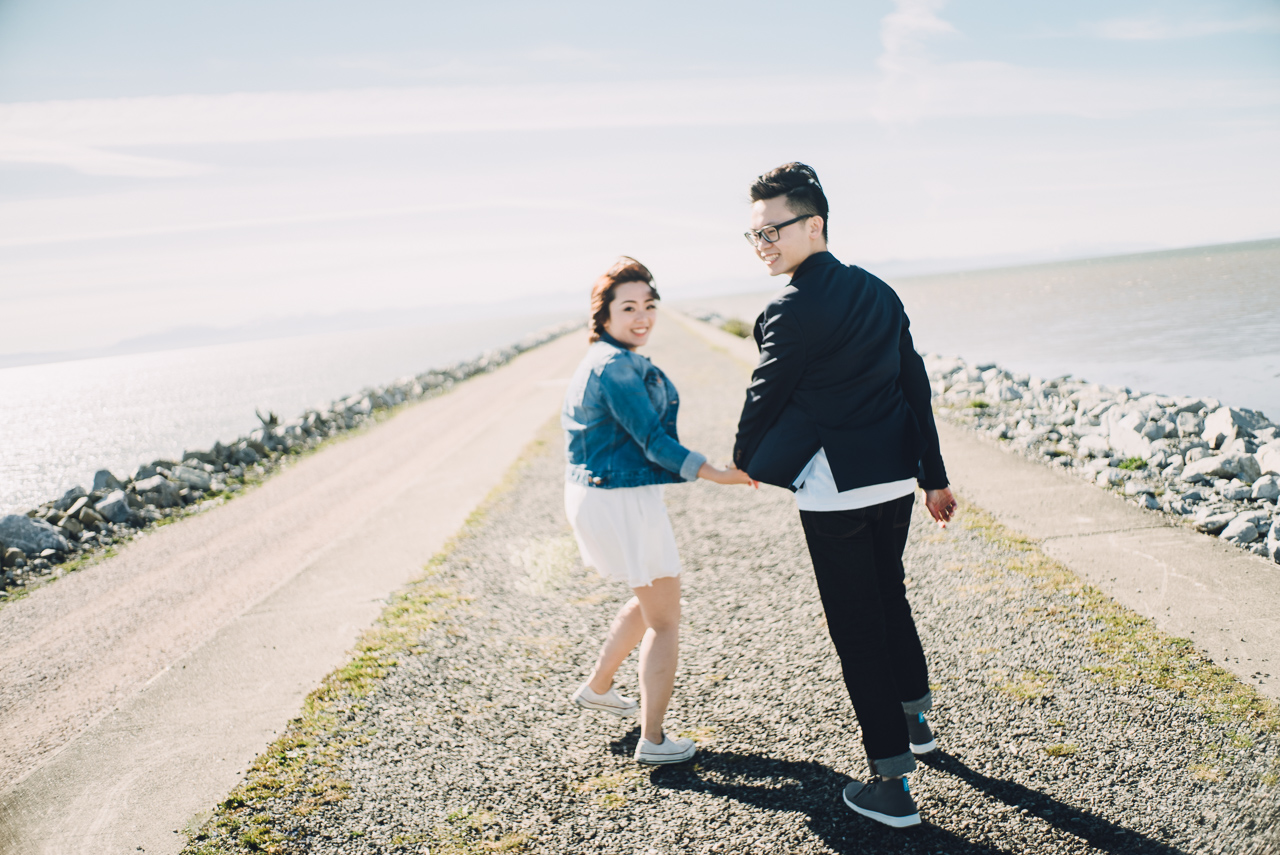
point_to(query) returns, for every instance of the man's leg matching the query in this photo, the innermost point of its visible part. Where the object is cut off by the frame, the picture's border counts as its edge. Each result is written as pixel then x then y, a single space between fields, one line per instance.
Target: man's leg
pixel 842 545
pixel 910 670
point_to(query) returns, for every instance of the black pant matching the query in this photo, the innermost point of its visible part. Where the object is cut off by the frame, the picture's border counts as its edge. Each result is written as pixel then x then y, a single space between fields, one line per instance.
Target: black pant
pixel 857 558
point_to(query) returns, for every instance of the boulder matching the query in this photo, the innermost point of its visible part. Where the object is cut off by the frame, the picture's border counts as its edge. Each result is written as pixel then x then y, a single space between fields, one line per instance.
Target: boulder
pixel 13 557
pixel 70 497
pixel 114 507
pixel 1125 436
pixel 1267 487
pixel 192 477
pixel 1273 540
pixel 1212 522
pixel 202 456
pixel 1240 531
pixel 1189 424
pixel 1235 491
pixel 1110 476
pixel 1226 423
pixel 103 480
pixel 159 491
pixel 1245 466
pixel 32 536
pixel 1094 445
pixel 245 456
pixel 1196 452
pixel 1268 457
pixel 90 517
pixel 1134 487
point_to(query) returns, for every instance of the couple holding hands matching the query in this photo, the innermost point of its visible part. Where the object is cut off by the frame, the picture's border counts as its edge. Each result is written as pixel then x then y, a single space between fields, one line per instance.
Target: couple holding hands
pixel 837 411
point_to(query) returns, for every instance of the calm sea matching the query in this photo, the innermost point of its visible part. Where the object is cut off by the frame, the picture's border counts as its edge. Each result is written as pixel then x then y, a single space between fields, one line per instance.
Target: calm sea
pixel 1202 321
pixel 61 422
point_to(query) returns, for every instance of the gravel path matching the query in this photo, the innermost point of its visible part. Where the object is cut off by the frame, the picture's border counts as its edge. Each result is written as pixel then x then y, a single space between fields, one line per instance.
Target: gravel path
pixel 469 744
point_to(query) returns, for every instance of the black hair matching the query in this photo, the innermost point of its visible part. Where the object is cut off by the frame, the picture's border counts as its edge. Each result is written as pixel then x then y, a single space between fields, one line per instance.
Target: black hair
pixel 800 185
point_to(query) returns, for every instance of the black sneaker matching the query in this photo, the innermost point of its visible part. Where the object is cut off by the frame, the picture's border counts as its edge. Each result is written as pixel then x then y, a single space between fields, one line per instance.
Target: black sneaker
pixel 922 741
pixel 886 801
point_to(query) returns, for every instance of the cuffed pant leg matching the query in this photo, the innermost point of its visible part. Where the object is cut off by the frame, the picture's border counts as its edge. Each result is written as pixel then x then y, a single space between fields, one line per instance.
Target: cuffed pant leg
pixel 842 546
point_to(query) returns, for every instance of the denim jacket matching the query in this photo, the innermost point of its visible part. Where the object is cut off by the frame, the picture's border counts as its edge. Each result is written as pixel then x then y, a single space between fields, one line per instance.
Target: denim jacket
pixel 619 420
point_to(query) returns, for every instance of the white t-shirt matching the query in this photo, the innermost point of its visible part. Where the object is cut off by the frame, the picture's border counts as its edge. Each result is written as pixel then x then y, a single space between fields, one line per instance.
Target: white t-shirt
pixel 817 489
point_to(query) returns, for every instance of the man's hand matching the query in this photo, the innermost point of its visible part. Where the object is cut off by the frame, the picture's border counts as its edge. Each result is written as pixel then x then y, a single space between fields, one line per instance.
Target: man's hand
pixel 941 505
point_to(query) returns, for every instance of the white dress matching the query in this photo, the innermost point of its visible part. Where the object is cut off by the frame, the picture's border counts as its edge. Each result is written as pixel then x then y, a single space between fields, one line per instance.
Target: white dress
pixel 624 533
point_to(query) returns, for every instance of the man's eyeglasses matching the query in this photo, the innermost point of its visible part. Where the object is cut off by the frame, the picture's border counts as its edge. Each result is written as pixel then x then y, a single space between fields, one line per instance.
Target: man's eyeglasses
pixel 769 234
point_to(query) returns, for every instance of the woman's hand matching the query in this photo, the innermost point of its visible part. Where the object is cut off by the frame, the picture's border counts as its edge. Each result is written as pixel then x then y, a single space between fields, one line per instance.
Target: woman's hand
pixel 732 475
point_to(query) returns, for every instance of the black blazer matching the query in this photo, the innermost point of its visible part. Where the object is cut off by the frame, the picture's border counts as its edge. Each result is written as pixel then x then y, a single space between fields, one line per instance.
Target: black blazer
pixel 838 371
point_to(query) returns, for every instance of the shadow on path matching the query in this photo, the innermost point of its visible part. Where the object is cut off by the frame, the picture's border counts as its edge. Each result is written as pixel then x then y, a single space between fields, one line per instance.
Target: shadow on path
pixel 813 789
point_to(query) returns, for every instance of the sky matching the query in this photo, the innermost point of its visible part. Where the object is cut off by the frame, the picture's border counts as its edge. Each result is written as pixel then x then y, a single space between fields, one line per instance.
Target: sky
pixel 168 163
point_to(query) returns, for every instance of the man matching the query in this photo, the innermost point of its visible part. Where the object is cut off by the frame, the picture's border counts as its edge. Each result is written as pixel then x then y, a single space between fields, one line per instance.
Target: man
pixel 838 411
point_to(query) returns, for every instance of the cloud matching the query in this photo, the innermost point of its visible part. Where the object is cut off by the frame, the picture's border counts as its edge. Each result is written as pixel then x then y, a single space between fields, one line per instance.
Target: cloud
pixel 1161 29
pixel 907 80
pixel 87 135
pixel 90 160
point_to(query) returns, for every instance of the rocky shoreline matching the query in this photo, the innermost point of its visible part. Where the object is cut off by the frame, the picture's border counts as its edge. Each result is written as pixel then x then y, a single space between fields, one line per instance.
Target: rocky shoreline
pixel 1212 467
pixel 66 533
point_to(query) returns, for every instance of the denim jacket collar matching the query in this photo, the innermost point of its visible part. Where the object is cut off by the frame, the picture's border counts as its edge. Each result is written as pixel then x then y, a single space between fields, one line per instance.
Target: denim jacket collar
pixel 608 339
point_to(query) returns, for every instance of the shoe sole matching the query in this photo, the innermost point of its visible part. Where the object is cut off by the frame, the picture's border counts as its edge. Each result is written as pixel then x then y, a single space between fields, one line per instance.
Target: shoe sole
pixel 667 760
pixel 884 818
pixel 924 749
pixel 620 712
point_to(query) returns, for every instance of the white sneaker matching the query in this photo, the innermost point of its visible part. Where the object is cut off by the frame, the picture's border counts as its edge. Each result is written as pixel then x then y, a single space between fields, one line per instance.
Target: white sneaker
pixel 667 751
pixel 610 702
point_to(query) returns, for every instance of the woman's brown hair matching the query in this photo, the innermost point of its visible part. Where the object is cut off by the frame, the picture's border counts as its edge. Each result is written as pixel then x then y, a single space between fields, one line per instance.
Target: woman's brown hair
pixel 625 269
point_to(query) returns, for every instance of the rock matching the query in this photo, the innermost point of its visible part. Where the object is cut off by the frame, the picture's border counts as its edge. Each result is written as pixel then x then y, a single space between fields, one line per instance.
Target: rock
pixel 104 480
pixel 1154 430
pixel 1125 436
pixel 32 536
pixel 1094 445
pixel 71 526
pixel 114 507
pixel 1134 487
pixel 1240 531
pixel 159 491
pixel 70 497
pixel 1109 476
pixel 1267 487
pixel 1189 424
pixel 1211 521
pixel 13 557
pixel 1225 424
pixel 1225 466
pixel 192 477
pixel 1198 452
pixel 1148 501
pixel 1235 491
pixel 77 506
pixel 202 456
pixel 1273 540
pixel 245 456
pixel 90 517
pixel 1268 457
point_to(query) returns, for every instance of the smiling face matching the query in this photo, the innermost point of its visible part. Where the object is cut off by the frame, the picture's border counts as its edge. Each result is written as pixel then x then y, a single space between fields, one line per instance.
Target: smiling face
pixel 631 314
pixel 795 242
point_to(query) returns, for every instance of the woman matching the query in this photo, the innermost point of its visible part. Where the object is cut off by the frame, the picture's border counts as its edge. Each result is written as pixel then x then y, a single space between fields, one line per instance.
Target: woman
pixel 619 419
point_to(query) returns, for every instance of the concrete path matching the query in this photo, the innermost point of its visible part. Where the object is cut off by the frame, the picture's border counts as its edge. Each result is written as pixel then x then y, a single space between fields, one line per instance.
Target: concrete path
pixel 1190 584
pixel 133 694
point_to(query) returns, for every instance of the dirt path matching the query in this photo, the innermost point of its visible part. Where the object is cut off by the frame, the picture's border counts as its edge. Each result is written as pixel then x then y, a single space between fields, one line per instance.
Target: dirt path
pixel 367 510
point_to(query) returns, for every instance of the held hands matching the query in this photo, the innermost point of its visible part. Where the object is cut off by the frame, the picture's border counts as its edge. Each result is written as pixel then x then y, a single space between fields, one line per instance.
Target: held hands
pixel 941 505
pixel 731 475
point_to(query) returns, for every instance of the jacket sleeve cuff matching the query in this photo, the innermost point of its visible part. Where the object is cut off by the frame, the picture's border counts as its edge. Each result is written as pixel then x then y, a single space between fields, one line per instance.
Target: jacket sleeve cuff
pixel 692 463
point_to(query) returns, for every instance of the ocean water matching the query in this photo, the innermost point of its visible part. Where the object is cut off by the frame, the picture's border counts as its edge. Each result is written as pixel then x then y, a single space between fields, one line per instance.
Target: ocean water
pixel 60 422
pixel 1203 321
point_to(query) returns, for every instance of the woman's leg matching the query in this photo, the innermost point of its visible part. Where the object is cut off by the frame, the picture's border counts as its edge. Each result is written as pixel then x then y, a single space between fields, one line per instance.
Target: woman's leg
pixel 625 633
pixel 659 652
